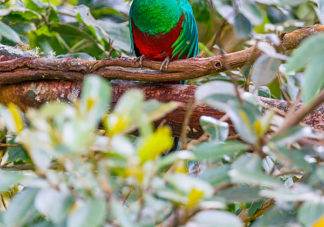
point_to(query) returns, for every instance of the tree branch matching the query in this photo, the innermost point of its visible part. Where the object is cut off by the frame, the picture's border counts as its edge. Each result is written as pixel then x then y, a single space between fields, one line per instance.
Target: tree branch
pixel 33 68
pixel 34 94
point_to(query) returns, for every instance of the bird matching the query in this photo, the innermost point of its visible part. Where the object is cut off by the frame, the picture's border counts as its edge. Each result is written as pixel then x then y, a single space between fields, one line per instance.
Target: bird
pixel 163 30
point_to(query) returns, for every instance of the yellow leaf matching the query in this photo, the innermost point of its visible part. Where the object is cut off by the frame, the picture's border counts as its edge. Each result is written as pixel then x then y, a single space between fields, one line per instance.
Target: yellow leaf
pixel 116 123
pixel 245 119
pixel 320 222
pixel 194 197
pixel 135 172
pixel 258 128
pixel 181 167
pixel 154 145
pixel 17 116
pixel 90 102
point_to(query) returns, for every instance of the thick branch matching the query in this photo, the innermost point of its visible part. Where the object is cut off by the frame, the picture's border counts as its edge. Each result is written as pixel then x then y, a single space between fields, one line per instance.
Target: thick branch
pixel 33 68
pixel 34 94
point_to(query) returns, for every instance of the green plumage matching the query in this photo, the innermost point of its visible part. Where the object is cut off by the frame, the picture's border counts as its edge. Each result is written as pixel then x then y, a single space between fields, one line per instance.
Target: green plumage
pixel 159 17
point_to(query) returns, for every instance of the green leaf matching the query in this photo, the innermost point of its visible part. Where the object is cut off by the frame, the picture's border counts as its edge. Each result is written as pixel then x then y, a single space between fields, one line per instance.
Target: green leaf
pixel 90 213
pixel 216 176
pixel 299 193
pixel 313 79
pixel 53 204
pixel 16 154
pixel 217 129
pixel 213 218
pixel 10 178
pixel 264 70
pixel 186 183
pixel 243 194
pixel 247 169
pixel 9 33
pixel 214 151
pixel 120 214
pixel 84 16
pixel 21 210
pixel 252 12
pixel 95 98
pixel 275 218
pixel 242 25
pixel 169 159
pixel 291 158
pixel 118 32
pixel 23 12
pixel 291 135
pixel 310 212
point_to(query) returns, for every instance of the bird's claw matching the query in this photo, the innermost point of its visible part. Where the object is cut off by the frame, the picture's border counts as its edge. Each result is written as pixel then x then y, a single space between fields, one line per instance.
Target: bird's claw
pixel 140 59
pixel 165 64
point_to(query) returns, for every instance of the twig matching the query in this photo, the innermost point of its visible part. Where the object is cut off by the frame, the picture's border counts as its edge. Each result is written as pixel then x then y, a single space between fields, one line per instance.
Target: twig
pixel 8 145
pixel 185 124
pixel 244 215
pixel 301 113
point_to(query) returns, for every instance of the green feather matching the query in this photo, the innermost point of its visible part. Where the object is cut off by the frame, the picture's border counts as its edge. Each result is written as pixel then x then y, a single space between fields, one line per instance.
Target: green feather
pixel 157 17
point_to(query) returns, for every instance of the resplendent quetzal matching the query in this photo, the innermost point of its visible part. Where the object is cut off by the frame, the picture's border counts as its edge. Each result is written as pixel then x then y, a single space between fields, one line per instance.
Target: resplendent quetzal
pixel 163 30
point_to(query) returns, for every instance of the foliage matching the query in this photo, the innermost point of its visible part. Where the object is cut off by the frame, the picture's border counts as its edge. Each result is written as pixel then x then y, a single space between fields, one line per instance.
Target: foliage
pixel 79 164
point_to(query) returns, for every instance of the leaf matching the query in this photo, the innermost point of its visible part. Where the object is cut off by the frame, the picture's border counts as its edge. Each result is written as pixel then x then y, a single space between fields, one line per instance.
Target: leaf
pixel 216 176
pixel 243 194
pixel 264 70
pixel 217 129
pixel 213 218
pixel 10 178
pixel 91 213
pixel 247 169
pixel 186 183
pixel 38 146
pixel 119 32
pixel 173 157
pixel 53 204
pixel 313 79
pixel 155 145
pixel 21 210
pixel 120 214
pixel 275 218
pixel 291 158
pixel 216 92
pixel 242 25
pixel 95 98
pixel 214 151
pixel 311 214
pixel 17 118
pixel 84 16
pixel 291 135
pixel 9 33
pixel 23 12
pixel 194 197
pixel 320 223
pixel 17 153
pixel 252 12
pixel 298 193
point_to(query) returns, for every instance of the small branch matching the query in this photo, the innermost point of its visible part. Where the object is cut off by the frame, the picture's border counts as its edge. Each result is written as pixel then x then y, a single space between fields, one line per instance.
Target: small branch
pixel 33 68
pixel 244 215
pixel 8 145
pixel 301 113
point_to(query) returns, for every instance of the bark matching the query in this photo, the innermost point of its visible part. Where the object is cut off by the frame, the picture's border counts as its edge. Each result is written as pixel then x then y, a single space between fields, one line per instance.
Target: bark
pixel 34 94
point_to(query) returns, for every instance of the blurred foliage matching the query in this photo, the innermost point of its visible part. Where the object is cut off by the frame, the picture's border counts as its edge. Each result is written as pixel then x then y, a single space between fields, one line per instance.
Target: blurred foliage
pixel 59 169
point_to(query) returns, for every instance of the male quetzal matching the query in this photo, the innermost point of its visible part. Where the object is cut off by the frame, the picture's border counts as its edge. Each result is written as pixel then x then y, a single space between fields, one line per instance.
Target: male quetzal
pixel 163 30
